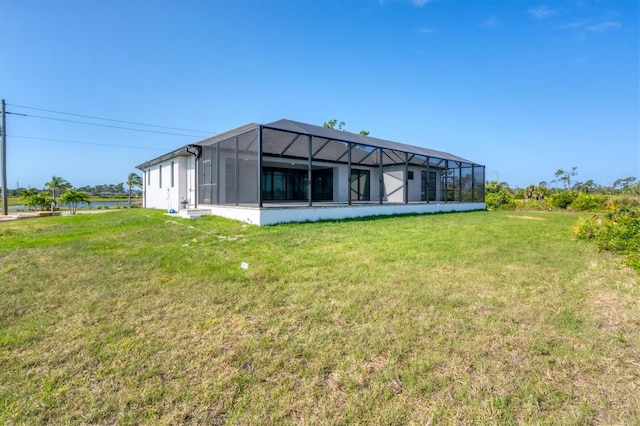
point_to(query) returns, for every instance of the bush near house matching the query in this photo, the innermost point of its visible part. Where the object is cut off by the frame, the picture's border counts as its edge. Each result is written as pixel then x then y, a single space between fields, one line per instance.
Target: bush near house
pixel 498 196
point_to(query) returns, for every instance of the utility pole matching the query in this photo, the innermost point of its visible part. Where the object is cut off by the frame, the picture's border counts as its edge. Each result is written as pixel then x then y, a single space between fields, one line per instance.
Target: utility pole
pixel 5 203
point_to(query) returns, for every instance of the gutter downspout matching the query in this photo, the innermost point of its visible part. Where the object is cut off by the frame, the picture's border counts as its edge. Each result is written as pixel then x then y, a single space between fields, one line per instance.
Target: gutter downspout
pixel 144 189
pixel 196 156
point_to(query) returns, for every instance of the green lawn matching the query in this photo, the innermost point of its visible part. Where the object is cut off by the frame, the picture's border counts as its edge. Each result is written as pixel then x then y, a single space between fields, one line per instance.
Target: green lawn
pixel 133 317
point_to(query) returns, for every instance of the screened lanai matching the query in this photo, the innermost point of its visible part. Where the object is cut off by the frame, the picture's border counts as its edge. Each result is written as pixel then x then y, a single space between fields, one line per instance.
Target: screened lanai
pixel 292 164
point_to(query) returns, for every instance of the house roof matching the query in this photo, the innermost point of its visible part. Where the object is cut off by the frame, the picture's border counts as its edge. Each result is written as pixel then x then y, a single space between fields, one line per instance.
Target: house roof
pixel 313 130
pixel 310 129
pixel 180 152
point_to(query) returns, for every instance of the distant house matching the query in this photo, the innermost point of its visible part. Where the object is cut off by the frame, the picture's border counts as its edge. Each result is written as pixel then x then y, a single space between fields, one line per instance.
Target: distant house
pixel 287 171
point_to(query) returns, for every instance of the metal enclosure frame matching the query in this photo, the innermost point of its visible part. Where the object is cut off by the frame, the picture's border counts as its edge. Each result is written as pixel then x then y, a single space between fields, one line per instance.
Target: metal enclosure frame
pixel 298 146
pixel 317 166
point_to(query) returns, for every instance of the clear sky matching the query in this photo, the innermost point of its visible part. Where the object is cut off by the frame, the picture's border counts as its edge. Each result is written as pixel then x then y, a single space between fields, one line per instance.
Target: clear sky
pixel 523 87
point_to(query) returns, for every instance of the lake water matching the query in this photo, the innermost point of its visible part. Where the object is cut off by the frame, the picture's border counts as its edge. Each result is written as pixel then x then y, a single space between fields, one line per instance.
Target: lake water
pixel 94 205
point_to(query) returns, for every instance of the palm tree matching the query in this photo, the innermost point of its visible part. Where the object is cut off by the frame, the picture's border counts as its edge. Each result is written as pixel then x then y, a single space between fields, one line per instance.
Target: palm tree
pixel 56 182
pixel 72 198
pixel 133 180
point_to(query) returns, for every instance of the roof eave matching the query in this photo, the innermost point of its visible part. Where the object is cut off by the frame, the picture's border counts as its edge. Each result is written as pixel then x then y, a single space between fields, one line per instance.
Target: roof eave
pixel 180 152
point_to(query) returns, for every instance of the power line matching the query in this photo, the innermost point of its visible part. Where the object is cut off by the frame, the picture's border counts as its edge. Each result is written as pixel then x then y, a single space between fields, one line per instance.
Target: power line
pixel 111 119
pixel 86 143
pixel 110 126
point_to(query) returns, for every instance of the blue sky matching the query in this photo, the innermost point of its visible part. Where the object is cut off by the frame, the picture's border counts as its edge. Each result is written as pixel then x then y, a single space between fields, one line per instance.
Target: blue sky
pixel 524 87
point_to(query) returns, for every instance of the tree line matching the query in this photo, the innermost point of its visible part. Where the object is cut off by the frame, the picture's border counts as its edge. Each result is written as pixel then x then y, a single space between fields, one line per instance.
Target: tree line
pixel 58 191
pixel 566 193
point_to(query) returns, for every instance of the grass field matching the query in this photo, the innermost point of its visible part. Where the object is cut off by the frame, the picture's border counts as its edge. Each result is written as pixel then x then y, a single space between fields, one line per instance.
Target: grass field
pixel 134 317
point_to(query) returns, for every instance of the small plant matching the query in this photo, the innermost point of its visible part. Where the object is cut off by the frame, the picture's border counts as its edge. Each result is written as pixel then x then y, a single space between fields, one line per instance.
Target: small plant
pixel 587 227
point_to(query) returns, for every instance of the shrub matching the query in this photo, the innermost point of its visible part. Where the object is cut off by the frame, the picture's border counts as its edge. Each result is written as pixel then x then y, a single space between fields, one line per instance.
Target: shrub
pixel 589 202
pixel 562 199
pixel 619 233
pixel 627 201
pixel 499 200
pixel 498 196
pixel 587 227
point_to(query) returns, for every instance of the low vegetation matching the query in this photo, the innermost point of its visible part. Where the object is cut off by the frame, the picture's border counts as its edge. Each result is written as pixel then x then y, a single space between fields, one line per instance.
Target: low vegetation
pixel 618 231
pixel 134 317
pixel 615 224
pixel 577 196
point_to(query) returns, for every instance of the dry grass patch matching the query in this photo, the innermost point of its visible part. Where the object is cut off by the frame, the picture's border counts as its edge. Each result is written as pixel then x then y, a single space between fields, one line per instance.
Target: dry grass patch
pixel 525 217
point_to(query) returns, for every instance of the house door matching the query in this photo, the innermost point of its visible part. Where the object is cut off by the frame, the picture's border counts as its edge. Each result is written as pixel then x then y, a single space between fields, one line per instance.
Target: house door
pixel 360 186
pixel 280 184
pixel 322 185
pixel 428 186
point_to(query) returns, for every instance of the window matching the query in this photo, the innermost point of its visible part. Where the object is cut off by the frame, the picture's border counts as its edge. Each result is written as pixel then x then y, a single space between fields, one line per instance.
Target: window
pixel 410 176
pixel 172 175
pixel 428 186
pixel 284 184
pixel 360 185
pixel 160 174
pixel 148 176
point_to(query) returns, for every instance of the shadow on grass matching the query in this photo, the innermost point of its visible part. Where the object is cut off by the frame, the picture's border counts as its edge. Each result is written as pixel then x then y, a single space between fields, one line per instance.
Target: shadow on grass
pixel 374 218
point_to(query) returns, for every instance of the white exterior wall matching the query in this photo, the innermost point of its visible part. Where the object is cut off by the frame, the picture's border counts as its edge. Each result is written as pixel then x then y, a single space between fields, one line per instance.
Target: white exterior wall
pixel 340 183
pixel 272 216
pixel 162 194
pixel 394 184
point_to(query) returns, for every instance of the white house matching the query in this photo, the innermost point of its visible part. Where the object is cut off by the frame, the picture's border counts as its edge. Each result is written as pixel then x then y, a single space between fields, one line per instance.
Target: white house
pixel 289 171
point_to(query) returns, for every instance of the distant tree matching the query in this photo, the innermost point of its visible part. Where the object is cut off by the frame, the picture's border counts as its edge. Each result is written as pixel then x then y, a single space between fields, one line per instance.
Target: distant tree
pixel 536 192
pixel 331 124
pixel 55 184
pixel 588 187
pixel 565 177
pixel 71 197
pixel 624 183
pixel 533 192
pixel 133 180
